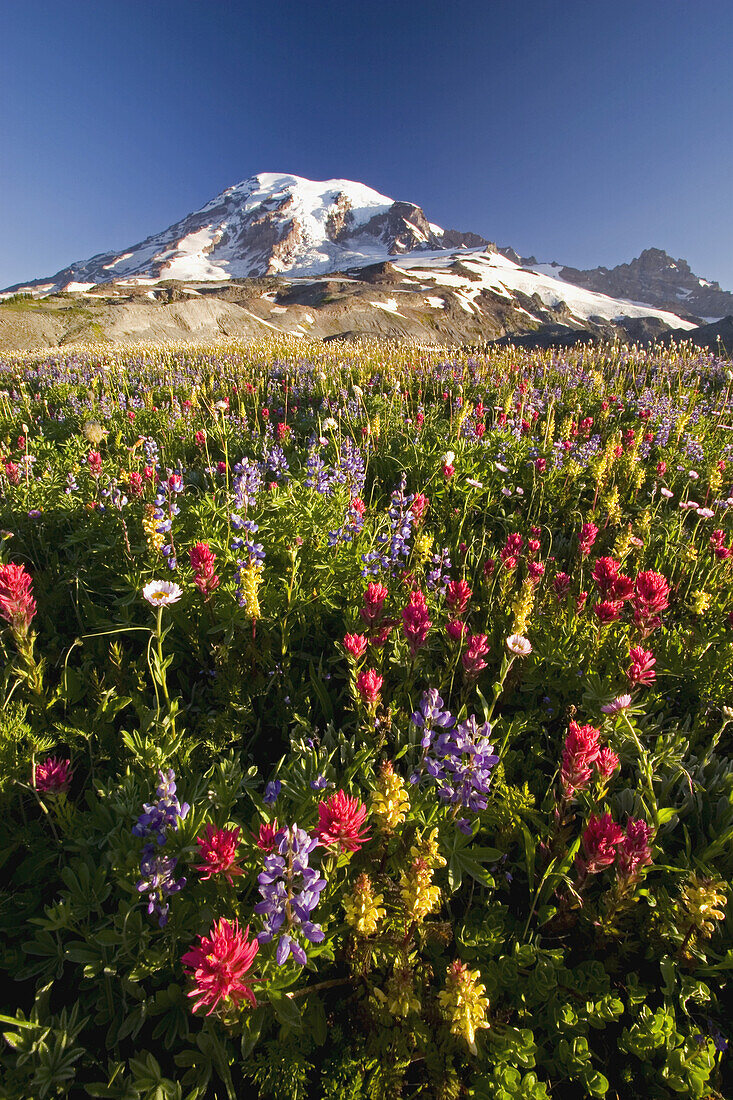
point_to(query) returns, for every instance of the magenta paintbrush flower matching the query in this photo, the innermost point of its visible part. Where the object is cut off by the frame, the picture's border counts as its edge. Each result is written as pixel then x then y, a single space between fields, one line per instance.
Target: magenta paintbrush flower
pixel 340 822
pixel 217 967
pixel 52 776
pixel 17 605
pixel 218 850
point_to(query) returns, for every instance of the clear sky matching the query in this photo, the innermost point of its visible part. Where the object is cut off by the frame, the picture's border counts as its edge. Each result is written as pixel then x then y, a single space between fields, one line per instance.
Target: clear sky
pixel 582 132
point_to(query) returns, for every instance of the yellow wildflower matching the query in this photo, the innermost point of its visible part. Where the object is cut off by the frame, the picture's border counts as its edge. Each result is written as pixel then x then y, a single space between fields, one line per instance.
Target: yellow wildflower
pixel 464 1002
pixel 390 801
pixel 153 537
pixel 419 896
pixel 362 907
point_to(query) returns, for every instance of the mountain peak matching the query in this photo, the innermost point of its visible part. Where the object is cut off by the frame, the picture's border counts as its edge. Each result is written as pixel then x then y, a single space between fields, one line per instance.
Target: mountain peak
pixel 271 223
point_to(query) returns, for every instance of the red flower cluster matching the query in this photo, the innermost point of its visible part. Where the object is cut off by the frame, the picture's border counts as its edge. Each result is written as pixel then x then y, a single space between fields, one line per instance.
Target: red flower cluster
pixel 561 584
pixel 455 629
pixel 612 584
pixel 457 596
pixel 641 669
pixel 340 822
pixel 369 684
pixel 580 751
pixel 650 598
pixel 218 850
pixel 416 621
pixel 52 776
pixel 373 608
pixel 265 837
pixel 473 659
pixel 718 547
pixel 202 562
pixel 601 839
pixel 604 842
pixel 586 538
pixel 419 506
pixel 355 645
pixel 94 463
pixel 218 965
pixel 17 605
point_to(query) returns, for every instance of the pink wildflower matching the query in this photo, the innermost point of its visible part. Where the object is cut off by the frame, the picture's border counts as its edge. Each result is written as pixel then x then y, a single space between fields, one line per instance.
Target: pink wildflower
pixel 600 842
pixel 473 658
pixel 606 763
pixel 355 645
pixel 369 684
pixel 635 851
pixel 17 605
pixel 374 598
pixel 94 463
pixel 218 964
pixel 586 538
pixel 202 562
pixel 340 822
pixel 457 596
pixel 455 629
pixel 52 776
pixel 580 750
pixel 641 669
pixel 416 621
pixel 561 584
pixel 265 837
pixel 218 850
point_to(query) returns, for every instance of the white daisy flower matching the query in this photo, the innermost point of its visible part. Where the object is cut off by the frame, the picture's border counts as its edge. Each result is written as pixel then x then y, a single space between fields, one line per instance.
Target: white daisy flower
pixel 519 645
pixel 162 593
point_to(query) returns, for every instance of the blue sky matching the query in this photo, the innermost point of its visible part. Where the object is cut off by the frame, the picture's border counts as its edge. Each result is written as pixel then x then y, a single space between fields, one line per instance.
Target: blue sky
pixel 581 132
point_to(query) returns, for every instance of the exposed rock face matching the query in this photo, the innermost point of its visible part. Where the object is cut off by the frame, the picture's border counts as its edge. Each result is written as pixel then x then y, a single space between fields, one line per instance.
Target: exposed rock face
pixel 656 278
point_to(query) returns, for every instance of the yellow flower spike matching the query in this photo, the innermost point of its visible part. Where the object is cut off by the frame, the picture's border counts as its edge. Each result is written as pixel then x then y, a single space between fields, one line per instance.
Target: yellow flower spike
pixel 419 896
pixel 705 900
pixel 390 801
pixel 363 907
pixel 400 993
pixel 464 1002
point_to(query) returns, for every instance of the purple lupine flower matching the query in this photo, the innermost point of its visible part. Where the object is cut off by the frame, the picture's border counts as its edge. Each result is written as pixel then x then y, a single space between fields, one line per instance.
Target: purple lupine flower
pixel 430 715
pixel 158 882
pixel 459 758
pixel 158 817
pixel 437 577
pixel 290 890
pixel 154 823
pixel 272 790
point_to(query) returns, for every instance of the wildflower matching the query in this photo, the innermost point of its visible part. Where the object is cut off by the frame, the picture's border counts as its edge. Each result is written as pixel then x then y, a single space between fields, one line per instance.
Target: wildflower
pixel 561 584
pixel 390 801
pixel 650 597
pixel 430 715
pixel 608 611
pixel 202 562
pixel 355 645
pixel 621 702
pixel 666 493
pixel 580 751
pixel 464 1002
pixel 218 964
pixel 158 882
pixel 601 839
pixel 162 593
pixel 419 506
pixel 704 900
pixel 416 622
pixel 519 645
pixel 455 629
pixel 604 574
pixel 52 776
pixel 369 684
pixel 17 605
pixel 93 432
pixel 290 890
pixel 272 791
pixel 473 659
pixel 419 895
pixel 635 851
pixel 588 535
pixel 340 822
pixel 94 463
pixel 264 838
pixel 218 850
pixel 641 669
pixel 606 763
pixel 457 596
pixel 400 997
pixel 374 598
pixel 363 907
pixel 460 760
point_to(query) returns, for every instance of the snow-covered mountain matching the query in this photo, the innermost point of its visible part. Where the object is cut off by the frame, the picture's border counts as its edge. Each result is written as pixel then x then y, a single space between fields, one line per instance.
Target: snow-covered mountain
pixel 338 258
pixel 267 225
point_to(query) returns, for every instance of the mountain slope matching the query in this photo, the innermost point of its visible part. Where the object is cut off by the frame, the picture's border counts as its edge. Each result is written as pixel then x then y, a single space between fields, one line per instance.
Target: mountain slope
pixel 653 277
pixel 265 225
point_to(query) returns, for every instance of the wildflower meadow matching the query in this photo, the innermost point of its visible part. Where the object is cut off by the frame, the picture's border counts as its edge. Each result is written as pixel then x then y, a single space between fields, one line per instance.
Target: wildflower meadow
pixel 367 725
